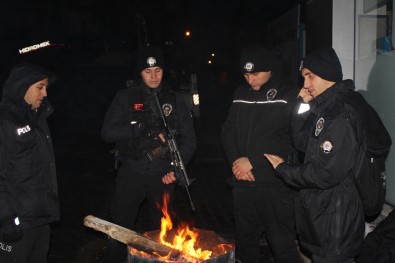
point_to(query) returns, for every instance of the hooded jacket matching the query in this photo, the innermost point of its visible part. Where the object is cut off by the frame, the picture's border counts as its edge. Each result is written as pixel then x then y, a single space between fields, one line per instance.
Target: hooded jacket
pixel 28 183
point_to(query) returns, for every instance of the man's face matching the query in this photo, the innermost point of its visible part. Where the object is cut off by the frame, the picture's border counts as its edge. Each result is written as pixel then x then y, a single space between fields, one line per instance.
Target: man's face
pixel 313 84
pixel 257 79
pixel 36 93
pixel 152 76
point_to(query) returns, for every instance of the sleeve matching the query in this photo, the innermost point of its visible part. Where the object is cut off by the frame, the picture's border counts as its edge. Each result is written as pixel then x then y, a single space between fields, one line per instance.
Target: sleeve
pixel 329 159
pixel 116 126
pixel 229 136
pixel 6 211
pixel 186 130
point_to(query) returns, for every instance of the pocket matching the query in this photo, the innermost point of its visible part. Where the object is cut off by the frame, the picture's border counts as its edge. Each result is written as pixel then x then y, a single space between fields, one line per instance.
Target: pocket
pixel 315 217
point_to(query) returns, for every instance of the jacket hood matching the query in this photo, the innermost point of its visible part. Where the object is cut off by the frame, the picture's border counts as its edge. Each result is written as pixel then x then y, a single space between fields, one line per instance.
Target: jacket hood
pixel 21 77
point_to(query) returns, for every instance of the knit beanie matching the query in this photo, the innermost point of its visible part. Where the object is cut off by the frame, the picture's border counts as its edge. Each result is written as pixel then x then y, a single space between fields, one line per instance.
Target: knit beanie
pixel 324 63
pixel 149 57
pixel 256 58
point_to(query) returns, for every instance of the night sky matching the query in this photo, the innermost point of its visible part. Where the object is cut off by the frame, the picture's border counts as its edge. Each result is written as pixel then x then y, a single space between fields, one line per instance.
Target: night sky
pixel 93 43
pixel 94 27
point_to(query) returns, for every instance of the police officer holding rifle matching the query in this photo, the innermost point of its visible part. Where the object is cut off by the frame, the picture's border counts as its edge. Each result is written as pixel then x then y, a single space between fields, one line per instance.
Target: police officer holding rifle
pixel 143 121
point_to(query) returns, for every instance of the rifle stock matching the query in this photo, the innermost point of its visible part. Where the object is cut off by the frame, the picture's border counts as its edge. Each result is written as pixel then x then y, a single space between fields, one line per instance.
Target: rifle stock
pixel 179 167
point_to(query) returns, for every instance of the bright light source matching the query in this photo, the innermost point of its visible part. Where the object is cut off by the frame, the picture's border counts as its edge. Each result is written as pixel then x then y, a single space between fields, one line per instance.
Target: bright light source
pixel 187 33
pixel 209 62
pixel 195 98
pixel 213 54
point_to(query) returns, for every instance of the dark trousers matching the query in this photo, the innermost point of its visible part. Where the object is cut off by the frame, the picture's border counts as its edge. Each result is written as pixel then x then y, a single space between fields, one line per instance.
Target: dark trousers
pixel 132 189
pixel 270 210
pixel 32 248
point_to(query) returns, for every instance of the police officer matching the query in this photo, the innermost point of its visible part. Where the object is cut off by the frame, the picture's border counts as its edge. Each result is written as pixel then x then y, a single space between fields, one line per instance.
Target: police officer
pixel 28 184
pixel 258 122
pixel 327 128
pixel 133 123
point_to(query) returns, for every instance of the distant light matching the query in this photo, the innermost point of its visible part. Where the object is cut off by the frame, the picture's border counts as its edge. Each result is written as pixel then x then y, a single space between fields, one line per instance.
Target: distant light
pixel 195 99
pixel 209 62
pixel 187 33
pixel 213 54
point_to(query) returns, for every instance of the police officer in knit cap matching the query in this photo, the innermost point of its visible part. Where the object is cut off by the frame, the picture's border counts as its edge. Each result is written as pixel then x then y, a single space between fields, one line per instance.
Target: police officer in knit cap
pixel 134 125
pixel 329 125
pixel 258 122
pixel 149 57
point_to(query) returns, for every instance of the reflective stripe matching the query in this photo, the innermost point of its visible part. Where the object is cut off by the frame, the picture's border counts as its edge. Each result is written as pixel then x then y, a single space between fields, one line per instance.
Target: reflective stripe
pixel 303 108
pixel 259 102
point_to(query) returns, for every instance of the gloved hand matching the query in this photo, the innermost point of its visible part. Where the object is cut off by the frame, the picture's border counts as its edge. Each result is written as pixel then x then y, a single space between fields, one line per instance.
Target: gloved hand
pixel 10 230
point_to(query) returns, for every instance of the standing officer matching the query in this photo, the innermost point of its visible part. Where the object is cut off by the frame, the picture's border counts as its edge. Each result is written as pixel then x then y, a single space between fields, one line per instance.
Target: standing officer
pixel 258 122
pixel 133 123
pixel 28 184
pixel 328 129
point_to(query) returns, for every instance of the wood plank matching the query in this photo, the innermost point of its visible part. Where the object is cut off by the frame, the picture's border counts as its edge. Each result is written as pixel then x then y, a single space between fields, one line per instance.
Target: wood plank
pixel 131 238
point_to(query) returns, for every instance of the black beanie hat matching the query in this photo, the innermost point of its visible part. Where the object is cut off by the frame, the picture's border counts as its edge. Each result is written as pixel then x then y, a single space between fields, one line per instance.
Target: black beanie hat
pixel 149 57
pixel 324 63
pixel 256 58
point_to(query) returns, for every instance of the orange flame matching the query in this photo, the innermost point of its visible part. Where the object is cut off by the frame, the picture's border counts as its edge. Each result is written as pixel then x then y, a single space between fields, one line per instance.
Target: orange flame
pixel 184 240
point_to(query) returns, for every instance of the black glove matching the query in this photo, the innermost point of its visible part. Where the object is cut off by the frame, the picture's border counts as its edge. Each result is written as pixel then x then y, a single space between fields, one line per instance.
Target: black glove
pixel 10 230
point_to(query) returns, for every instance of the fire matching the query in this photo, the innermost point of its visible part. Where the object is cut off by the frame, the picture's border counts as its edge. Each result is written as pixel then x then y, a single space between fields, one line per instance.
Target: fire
pixel 185 239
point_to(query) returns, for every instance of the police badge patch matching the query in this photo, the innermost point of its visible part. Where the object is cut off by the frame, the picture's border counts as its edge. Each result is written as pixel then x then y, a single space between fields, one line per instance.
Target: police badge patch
pixel 271 94
pixel 167 109
pixel 327 146
pixel 319 126
pixel 151 61
pixel 249 66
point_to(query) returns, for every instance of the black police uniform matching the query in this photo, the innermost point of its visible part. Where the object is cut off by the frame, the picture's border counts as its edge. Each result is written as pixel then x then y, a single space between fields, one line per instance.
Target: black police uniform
pixel 258 123
pixel 133 124
pixel 330 217
pixel 28 183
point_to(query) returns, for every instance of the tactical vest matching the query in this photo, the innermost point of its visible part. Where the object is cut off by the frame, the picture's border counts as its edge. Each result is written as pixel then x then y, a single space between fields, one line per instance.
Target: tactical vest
pixel 144 112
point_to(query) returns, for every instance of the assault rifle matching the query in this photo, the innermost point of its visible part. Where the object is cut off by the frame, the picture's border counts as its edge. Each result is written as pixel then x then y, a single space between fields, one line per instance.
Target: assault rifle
pixel 179 167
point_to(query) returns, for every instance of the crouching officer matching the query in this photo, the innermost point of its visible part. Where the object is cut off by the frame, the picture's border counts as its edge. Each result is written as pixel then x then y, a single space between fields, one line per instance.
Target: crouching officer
pixel 134 124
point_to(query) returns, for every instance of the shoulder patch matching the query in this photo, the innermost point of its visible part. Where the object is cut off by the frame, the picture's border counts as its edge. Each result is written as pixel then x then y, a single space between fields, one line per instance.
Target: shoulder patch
pixel 319 126
pixel 327 146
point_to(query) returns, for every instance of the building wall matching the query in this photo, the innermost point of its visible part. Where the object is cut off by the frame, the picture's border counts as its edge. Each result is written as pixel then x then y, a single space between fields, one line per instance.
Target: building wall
pixel 360 35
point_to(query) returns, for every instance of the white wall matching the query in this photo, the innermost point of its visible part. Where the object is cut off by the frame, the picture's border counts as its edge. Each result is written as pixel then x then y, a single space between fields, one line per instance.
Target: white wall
pixel 343 35
pixel 371 67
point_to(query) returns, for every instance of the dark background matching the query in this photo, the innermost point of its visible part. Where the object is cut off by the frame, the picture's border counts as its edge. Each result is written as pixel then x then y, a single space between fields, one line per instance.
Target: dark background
pixel 93 43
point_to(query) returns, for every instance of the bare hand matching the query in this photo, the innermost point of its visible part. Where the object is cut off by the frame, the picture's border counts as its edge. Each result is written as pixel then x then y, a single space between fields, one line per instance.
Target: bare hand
pixel 169 178
pixel 161 137
pixel 274 159
pixel 242 169
pixel 305 95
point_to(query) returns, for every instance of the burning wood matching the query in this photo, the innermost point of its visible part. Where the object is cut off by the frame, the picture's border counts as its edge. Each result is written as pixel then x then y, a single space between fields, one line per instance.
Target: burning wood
pixel 180 244
pixel 135 240
pixel 129 237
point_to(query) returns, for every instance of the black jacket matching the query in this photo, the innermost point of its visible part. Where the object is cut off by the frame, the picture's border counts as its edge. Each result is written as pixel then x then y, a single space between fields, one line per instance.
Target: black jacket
pixel 119 129
pixel 258 123
pixel 329 214
pixel 28 183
